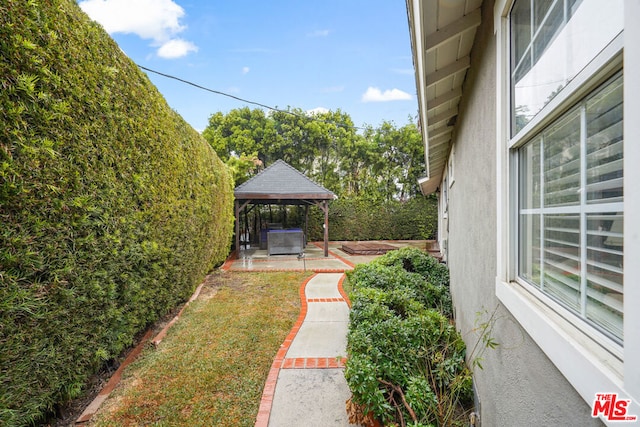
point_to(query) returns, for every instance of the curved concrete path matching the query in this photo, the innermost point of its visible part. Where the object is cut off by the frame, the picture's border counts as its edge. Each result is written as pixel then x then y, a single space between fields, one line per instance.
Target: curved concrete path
pixel 306 384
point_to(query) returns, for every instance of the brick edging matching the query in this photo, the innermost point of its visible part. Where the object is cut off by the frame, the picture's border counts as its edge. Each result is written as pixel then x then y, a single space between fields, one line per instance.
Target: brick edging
pixel 342 291
pixel 314 363
pixel 287 270
pixel 95 404
pixel 229 261
pixel 264 412
pixel 338 257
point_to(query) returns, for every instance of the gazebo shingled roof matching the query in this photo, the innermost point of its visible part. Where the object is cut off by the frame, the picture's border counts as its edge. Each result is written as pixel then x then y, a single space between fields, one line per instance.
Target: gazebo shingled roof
pixel 282 184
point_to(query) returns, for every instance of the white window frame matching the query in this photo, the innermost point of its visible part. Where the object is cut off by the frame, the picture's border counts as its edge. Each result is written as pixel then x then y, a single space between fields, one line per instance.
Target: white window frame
pixel 589 360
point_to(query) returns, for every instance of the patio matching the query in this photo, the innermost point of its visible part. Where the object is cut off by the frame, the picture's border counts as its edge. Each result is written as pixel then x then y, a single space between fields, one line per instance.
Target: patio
pixel 338 261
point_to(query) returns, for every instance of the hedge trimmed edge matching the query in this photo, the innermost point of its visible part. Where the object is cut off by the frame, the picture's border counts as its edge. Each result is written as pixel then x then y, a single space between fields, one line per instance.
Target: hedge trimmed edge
pixel 112 208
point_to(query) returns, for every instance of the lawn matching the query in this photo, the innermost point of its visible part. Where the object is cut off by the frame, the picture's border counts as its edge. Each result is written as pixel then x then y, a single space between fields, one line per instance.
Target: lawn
pixel 211 367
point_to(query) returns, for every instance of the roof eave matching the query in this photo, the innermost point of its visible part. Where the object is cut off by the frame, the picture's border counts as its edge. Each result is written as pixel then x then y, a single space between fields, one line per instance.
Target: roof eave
pixel 295 196
pixel 434 28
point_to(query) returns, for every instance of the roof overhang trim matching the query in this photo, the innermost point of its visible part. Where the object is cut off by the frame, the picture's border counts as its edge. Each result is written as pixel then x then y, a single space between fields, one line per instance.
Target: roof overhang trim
pixel 429 185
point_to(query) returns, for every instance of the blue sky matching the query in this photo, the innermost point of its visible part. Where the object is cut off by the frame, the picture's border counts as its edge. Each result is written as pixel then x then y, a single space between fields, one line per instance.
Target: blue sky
pixel 353 55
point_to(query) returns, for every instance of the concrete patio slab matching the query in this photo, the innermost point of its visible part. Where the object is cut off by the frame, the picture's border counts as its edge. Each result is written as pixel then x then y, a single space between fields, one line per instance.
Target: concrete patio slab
pixel 254 259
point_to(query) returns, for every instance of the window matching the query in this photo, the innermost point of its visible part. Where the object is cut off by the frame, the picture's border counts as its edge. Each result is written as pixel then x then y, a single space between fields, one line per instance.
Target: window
pixel 561 201
pixel 570 172
pixel 552 41
pixel 571 212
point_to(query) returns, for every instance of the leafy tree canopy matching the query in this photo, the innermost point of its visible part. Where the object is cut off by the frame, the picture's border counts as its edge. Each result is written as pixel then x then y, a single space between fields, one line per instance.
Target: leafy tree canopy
pixel 382 163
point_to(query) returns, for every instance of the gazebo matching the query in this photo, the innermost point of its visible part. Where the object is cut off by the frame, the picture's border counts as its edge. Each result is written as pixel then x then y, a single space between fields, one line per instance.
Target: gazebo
pixel 282 184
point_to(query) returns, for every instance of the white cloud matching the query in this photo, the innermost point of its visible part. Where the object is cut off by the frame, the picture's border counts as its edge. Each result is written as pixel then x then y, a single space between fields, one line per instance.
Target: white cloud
pixel 156 20
pixel 317 110
pixel 318 33
pixel 176 48
pixel 373 94
pixel 245 70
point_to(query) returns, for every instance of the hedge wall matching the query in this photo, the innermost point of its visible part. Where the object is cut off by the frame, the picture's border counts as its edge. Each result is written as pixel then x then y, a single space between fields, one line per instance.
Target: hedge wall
pixel 112 208
pixel 363 219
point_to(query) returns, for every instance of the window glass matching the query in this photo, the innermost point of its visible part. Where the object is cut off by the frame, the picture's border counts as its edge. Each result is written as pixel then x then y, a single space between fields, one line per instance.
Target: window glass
pixel 551 42
pixel 562 258
pixel 540 11
pixel 548 28
pixel 530 166
pixel 562 162
pixel 570 209
pixel 604 146
pixel 604 270
pixel 520 32
pixel 530 267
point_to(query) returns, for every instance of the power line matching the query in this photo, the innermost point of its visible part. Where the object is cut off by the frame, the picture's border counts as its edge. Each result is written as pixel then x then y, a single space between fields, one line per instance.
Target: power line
pixel 217 92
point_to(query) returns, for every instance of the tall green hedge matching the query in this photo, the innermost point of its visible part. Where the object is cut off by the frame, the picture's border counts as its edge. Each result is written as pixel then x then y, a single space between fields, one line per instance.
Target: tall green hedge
pixel 364 219
pixel 112 208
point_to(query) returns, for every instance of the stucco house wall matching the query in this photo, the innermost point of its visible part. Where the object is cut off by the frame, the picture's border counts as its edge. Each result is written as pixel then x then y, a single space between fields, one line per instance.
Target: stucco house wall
pixel 518 385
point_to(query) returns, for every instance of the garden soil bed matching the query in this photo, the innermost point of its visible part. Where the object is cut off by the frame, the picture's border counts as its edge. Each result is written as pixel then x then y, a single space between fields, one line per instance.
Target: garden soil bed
pixel 367 248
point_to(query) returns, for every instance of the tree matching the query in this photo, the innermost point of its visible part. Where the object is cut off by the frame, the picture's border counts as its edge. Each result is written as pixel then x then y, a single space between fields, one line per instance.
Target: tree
pixel 243 167
pixel 240 132
pixel 381 163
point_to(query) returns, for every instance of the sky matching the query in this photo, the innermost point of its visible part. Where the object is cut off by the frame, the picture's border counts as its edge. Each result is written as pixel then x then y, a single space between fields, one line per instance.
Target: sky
pixel 352 55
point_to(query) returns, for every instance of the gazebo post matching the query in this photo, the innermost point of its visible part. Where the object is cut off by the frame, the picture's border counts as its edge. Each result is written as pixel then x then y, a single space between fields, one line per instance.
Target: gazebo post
pixel 325 208
pixel 237 203
pixel 306 221
pixel 238 210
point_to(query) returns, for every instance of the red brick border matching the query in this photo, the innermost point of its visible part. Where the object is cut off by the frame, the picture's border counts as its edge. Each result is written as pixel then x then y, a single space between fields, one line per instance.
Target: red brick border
pixel 295 270
pixel 229 262
pixel 346 261
pixel 264 412
pixel 326 300
pixel 314 363
pixel 280 362
pixel 93 407
pixel 342 291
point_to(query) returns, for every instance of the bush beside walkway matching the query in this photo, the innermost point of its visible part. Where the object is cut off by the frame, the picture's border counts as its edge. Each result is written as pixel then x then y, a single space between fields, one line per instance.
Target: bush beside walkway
pixel 406 360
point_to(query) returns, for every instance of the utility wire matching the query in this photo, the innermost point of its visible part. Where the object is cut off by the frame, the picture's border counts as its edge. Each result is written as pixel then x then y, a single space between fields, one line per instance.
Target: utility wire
pixel 217 92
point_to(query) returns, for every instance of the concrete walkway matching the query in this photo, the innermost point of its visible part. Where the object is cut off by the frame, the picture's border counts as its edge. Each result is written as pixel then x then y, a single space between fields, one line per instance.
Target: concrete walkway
pixel 306 384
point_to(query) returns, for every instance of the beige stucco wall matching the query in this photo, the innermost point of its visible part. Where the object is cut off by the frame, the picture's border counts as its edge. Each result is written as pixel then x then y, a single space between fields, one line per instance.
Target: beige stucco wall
pixel 518 386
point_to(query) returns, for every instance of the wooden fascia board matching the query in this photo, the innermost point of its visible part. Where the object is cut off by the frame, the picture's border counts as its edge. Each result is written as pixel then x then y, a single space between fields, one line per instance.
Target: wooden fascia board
pixel 299 196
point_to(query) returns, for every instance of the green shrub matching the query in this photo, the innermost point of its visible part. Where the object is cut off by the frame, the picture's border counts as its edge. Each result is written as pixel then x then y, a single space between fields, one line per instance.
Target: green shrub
pixel 412 270
pixel 406 359
pixel 414 260
pixel 112 207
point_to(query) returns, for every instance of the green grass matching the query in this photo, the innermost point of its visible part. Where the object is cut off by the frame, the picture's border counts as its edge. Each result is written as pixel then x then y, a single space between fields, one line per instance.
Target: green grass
pixel 211 367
